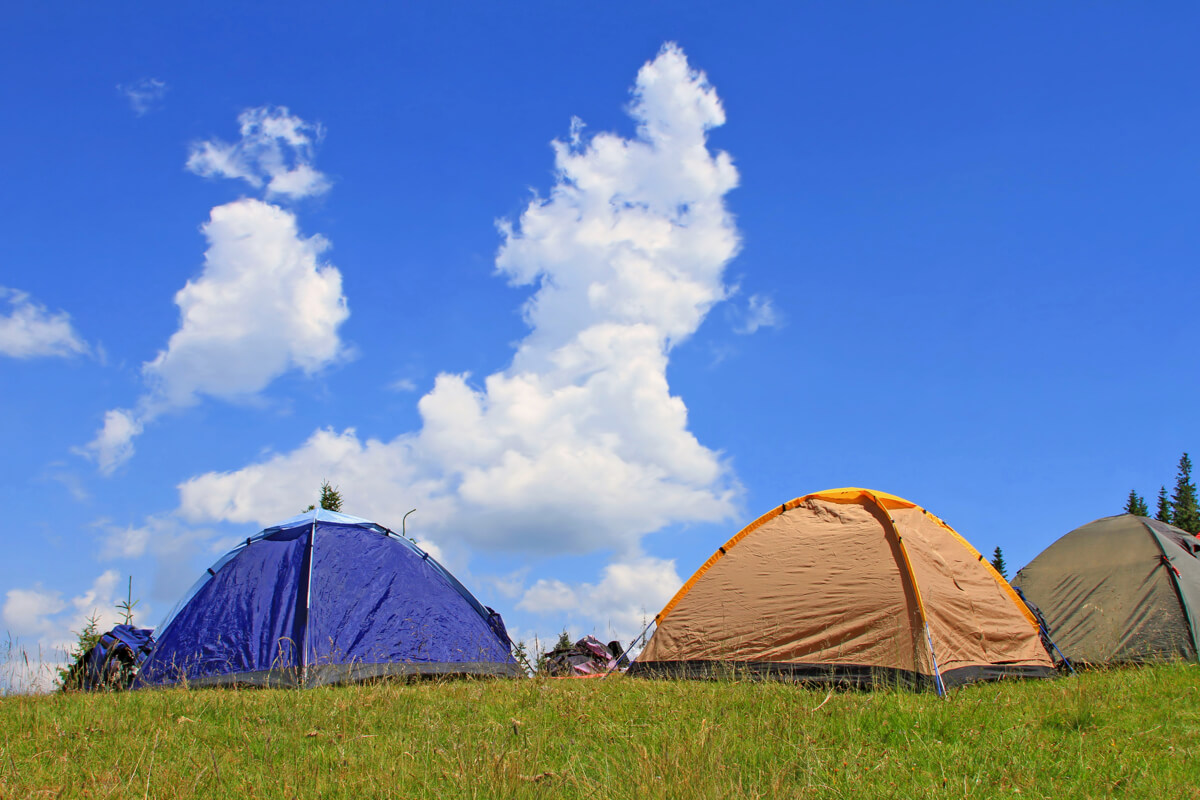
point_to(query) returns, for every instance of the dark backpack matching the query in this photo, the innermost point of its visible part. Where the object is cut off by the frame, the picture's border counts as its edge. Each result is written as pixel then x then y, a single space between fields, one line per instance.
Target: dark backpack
pixel 113 662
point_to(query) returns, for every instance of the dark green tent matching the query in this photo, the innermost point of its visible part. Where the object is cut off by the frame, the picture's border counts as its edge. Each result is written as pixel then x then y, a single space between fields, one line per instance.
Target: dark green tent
pixel 1122 589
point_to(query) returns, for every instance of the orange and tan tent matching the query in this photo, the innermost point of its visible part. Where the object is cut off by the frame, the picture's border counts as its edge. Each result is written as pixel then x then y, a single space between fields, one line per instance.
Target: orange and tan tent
pixel 847 586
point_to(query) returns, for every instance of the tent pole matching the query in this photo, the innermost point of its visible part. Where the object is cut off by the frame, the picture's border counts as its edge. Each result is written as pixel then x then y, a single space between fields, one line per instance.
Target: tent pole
pixel 1043 629
pixel 912 578
pixel 526 664
pixel 937 675
pixel 312 535
pixel 1061 654
pixel 632 642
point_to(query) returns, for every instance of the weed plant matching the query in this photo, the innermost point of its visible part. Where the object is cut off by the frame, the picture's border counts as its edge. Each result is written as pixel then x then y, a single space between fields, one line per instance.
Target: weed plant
pixel 24 671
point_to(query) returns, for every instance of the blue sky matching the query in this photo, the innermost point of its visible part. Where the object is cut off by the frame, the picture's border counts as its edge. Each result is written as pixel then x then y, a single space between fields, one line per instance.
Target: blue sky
pixel 943 253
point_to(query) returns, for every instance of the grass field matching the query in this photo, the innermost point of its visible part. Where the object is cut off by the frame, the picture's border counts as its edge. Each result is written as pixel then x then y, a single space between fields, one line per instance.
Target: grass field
pixel 1121 733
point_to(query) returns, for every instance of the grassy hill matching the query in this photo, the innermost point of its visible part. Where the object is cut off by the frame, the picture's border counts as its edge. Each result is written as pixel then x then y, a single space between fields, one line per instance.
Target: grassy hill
pixel 1124 733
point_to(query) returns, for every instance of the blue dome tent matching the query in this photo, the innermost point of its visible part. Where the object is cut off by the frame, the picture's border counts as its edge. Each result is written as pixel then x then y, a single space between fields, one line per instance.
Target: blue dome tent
pixel 326 598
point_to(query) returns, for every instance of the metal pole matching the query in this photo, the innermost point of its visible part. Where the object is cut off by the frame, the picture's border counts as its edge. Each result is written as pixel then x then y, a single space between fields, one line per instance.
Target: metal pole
pixel 632 643
pixel 307 604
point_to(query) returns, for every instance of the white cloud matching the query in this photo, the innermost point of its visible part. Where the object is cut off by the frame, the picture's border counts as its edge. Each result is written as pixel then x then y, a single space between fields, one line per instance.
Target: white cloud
pixel 760 313
pixel 578 445
pixel 144 95
pixel 100 600
pixel 264 303
pixel 619 606
pixel 511 585
pixel 379 480
pixel 403 385
pixel 549 596
pixel 58 472
pixel 113 445
pixel 27 611
pixel 44 614
pixel 129 541
pixel 29 330
pixel 275 152
pixel 173 546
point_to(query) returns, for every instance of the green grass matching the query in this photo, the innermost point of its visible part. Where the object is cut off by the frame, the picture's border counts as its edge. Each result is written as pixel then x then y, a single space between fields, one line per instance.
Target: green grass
pixel 1121 733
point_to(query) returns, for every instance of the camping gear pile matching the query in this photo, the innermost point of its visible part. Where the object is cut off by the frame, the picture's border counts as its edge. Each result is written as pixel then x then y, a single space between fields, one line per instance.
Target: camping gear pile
pixel 848 587
pixel 586 658
pixel 113 662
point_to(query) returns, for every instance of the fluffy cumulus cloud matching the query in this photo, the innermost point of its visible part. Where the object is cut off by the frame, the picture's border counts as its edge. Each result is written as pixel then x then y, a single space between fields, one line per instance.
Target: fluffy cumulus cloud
pixel 626 598
pixel 264 303
pixel 30 330
pixel 275 153
pixel 386 479
pixel 578 445
pixel 144 95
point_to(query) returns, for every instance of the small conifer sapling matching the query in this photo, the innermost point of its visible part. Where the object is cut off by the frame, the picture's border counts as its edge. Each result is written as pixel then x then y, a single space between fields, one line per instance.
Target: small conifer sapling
pixel 998 563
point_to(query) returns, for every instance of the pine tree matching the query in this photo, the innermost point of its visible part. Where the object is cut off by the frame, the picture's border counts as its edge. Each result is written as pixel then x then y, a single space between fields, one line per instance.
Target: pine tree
pixel 331 498
pixel 71 676
pixel 998 563
pixel 1164 506
pixel 1184 513
pixel 1136 505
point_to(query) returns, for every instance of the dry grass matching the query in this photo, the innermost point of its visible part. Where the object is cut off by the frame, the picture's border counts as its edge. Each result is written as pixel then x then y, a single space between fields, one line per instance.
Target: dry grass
pixel 1133 733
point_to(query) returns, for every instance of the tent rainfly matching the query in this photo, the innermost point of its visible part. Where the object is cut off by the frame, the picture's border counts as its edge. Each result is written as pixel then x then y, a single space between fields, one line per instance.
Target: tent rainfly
pixel 326 598
pixel 1121 589
pixel 847 586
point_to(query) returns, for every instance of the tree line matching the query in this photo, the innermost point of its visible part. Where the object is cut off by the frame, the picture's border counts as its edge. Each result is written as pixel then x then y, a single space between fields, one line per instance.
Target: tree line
pixel 1179 508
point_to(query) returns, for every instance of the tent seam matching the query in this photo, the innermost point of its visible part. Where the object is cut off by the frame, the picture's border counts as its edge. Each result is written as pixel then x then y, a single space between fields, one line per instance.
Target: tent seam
pixel 1187 612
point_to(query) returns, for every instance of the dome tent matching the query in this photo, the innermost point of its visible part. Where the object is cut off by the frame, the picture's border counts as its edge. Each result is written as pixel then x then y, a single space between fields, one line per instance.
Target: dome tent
pixel 1121 589
pixel 847 586
pixel 326 598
